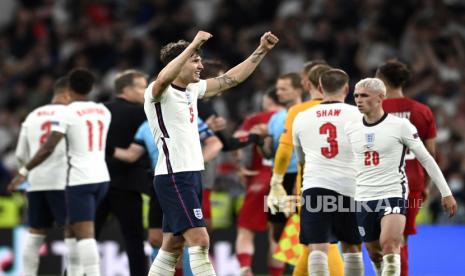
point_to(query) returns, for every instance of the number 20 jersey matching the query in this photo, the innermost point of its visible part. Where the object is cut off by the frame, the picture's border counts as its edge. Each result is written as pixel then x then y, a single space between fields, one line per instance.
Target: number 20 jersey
pixel 329 161
pixel 85 126
pixel 51 174
pixel 380 150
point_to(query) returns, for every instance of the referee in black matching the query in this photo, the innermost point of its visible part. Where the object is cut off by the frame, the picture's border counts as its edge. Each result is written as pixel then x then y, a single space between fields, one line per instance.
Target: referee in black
pixel 128 180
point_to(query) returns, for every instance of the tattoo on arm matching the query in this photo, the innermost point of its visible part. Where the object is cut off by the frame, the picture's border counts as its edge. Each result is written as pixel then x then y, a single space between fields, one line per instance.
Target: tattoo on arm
pixel 226 82
pixel 256 56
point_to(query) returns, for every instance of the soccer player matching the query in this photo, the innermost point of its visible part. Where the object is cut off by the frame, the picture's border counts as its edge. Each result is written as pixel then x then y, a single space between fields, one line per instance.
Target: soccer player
pixel 123 199
pixel 170 106
pixel 379 142
pixel 252 217
pixel 85 125
pixel 312 72
pixel 46 196
pixel 395 75
pixel 329 174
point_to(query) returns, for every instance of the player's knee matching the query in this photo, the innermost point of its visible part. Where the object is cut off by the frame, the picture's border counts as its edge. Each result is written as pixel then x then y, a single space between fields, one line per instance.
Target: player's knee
pixel 391 245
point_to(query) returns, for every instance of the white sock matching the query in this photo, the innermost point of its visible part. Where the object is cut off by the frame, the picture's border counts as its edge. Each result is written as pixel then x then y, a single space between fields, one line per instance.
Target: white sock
pixel 164 264
pixel 318 263
pixel 89 256
pixel 377 267
pixel 353 264
pixel 391 265
pixel 31 253
pixel 73 267
pixel 199 261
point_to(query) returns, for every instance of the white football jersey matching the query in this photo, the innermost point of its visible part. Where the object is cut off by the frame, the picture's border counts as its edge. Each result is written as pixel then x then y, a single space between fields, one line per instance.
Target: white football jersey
pixel 173 120
pixel 85 125
pixel 329 161
pixel 380 150
pixel 50 174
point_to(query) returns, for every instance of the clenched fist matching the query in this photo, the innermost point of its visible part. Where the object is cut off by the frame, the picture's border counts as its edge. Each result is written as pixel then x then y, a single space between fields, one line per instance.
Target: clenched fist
pixel 268 40
pixel 200 38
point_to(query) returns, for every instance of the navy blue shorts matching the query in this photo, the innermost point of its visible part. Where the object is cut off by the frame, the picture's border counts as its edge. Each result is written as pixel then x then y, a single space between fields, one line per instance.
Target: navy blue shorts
pixel 180 196
pixel 322 222
pixel 46 207
pixel 82 201
pixel 370 213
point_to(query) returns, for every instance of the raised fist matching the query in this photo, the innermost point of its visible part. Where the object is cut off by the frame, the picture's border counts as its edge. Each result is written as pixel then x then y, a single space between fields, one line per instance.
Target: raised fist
pixel 200 38
pixel 268 40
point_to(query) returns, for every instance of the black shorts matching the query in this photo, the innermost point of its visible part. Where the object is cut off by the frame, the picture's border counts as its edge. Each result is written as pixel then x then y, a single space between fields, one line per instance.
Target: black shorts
pixel 83 200
pixel 288 183
pixel 327 216
pixel 46 207
pixel 180 196
pixel 370 213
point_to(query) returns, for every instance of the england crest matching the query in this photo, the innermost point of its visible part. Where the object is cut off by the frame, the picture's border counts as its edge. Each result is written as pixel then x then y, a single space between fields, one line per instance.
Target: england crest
pixel 198 213
pixel 370 138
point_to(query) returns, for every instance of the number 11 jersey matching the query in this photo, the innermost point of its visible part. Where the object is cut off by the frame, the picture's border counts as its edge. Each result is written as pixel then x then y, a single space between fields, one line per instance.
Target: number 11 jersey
pixel 329 161
pixel 85 126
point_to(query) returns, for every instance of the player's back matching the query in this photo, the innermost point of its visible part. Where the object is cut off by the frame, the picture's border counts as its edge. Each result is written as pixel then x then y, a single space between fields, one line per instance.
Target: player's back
pixel 329 161
pixel 51 174
pixel 87 126
pixel 422 118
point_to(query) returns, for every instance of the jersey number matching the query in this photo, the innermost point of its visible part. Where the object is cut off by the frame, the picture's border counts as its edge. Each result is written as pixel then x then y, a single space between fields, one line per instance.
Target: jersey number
pixel 90 131
pixel 371 158
pixel 191 112
pixel 45 127
pixel 333 149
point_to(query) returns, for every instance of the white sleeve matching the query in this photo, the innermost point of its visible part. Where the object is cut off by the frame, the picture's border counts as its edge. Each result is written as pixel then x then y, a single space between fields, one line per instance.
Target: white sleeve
pixel 60 121
pixel 411 139
pixel 201 88
pixel 299 153
pixel 22 149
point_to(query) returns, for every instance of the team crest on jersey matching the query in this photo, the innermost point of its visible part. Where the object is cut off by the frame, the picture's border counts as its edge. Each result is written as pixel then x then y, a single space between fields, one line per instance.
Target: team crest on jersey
pixel 370 140
pixel 361 230
pixel 198 213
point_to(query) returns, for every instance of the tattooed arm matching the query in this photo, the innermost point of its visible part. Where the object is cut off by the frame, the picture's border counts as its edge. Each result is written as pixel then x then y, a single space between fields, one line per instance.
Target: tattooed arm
pixel 242 71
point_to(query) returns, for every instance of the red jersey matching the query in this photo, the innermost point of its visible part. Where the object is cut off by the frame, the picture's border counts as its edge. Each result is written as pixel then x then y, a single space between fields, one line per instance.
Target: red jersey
pixel 422 118
pixel 251 121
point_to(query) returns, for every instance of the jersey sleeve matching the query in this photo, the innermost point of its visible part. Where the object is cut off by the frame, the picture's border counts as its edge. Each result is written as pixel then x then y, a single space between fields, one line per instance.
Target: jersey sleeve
pixel 61 121
pixel 409 134
pixel 22 148
pixel 201 88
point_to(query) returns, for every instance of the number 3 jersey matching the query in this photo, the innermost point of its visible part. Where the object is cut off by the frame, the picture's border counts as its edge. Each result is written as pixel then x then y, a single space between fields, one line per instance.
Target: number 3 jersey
pixel 51 174
pixel 380 150
pixel 85 126
pixel 329 161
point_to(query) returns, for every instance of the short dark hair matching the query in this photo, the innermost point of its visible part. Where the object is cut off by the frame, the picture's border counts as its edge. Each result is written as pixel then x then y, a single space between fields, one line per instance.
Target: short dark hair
pixel 81 81
pixel 294 77
pixel 394 73
pixel 315 73
pixel 171 50
pixel 126 78
pixel 60 85
pixel 333 80
pixel 271 93
pixel 212 67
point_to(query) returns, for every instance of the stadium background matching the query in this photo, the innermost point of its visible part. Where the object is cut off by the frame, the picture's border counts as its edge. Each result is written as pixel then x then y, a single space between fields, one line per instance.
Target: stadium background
pixel 42 39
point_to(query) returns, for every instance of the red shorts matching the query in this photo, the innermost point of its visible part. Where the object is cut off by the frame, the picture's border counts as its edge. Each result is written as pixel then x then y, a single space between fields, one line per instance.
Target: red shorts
pixel 206 206
pixel 252 215
pixel 415 200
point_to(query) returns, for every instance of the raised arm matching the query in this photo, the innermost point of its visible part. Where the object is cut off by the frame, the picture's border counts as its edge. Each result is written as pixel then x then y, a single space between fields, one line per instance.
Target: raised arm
pixel 173 68
pixel 243 70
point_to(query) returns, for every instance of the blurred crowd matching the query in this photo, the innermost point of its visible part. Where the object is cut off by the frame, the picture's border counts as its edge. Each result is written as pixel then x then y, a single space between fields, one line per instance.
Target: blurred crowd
pixel 41 40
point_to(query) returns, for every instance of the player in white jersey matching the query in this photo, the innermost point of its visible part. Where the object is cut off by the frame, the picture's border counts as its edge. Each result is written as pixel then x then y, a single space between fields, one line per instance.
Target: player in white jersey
pixel 46 195
pixel 171 108
pixel 329 177
pixel 379 142
pixel 84 124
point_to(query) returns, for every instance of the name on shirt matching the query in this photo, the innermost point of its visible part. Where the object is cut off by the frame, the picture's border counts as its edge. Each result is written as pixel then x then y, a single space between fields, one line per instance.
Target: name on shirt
pixel 328 113
pixel 405 114
pixel 45 113
pixel 88 111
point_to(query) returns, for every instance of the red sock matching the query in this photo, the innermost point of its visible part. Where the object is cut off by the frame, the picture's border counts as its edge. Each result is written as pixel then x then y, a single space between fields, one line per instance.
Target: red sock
pixel 404 260
pixel 178 272
pixel 276 271
pixel 245 260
